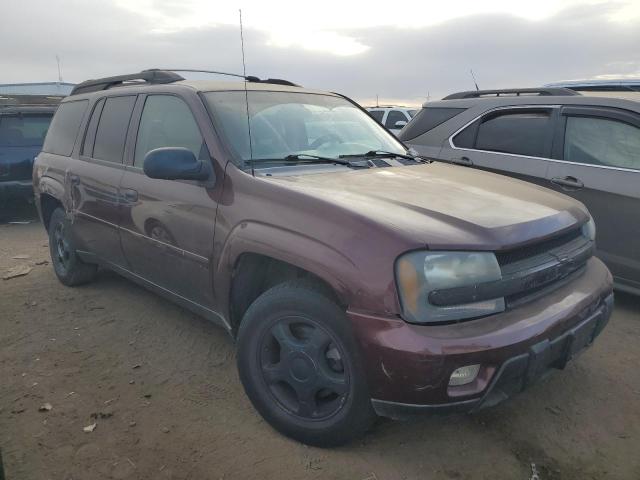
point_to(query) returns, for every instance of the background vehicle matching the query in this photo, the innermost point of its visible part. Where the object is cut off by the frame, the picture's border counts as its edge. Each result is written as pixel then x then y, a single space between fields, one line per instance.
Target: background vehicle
pixel 614 88
pixel 24 120
pixel 392 117
pixel 354 276
pixel 586 147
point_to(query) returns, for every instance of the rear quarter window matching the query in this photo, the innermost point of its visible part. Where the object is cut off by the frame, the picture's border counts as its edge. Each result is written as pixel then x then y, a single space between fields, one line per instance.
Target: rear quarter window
pixel 428 119
pixel 64 128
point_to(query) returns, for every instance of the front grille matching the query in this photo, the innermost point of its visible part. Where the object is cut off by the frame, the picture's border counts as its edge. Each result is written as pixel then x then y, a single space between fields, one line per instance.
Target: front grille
pixel 526 296
pixel 552 263
pixel 518 254
pixel 527 273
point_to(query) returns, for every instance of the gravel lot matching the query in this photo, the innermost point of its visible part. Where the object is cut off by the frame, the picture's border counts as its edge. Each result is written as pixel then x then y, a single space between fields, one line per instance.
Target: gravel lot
pixel 161 386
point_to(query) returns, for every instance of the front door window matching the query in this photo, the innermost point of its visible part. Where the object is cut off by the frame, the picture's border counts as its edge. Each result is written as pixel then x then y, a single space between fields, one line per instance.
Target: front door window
pixel 167 122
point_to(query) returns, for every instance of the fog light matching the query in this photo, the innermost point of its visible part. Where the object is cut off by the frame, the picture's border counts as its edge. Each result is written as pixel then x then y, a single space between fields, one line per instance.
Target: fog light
pixel 464 375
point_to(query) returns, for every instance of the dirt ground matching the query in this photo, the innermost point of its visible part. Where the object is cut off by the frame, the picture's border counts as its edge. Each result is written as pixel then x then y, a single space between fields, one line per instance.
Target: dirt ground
pixel 161 386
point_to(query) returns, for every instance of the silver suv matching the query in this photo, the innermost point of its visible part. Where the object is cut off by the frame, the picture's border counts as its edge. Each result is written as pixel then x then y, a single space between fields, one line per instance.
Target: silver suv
pixel 584 146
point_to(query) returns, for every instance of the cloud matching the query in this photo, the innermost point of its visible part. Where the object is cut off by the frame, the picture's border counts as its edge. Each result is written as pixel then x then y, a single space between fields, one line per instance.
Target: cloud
pixel 398 64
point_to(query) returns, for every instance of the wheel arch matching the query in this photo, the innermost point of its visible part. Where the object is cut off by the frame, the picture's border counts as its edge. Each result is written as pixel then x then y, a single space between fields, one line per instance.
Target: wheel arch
pixel 50 195
pixel 254 274
pixel 257 257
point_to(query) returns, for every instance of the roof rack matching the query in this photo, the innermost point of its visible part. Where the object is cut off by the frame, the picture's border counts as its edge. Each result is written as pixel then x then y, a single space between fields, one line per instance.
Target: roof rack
pixel 542 92
pixel 161 76
pixel 149 76
pixel 248 78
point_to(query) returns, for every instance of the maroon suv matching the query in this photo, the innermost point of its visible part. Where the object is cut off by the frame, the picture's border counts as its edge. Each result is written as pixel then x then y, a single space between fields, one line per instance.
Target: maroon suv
pixel 357 278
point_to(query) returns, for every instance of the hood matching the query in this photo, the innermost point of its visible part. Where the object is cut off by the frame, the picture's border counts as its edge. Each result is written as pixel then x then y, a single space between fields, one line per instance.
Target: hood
pixel 445 206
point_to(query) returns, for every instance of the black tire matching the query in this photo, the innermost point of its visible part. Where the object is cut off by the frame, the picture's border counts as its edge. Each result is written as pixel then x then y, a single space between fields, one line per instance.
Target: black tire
pixel 68 267
pixel 314 358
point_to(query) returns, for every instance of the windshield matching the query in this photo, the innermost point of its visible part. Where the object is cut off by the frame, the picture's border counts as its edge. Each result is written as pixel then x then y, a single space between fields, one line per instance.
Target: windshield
pixel 291 123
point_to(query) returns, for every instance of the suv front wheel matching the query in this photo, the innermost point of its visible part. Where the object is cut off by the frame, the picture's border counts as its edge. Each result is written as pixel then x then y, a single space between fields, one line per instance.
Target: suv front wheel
pixel 69 269
pixel 299 365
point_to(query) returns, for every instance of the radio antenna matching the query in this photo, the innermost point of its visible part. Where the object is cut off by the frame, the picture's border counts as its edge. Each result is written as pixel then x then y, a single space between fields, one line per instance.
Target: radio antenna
pixel 246 93
pixel 474 80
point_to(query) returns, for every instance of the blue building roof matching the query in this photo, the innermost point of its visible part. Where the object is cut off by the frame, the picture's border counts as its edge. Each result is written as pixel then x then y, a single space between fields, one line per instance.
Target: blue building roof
pixel 40 88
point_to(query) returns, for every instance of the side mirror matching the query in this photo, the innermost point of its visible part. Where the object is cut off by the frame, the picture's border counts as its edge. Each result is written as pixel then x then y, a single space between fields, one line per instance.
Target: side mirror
pixel 174 163
pixel 399 124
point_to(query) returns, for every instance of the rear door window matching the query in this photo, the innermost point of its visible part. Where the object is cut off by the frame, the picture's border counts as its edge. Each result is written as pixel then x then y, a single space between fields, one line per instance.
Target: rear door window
pixel 467 137
pixel 520 132
pixel 64 128
pixel 602 141
pixel 90 136
pixel 23 130
pixel 112 128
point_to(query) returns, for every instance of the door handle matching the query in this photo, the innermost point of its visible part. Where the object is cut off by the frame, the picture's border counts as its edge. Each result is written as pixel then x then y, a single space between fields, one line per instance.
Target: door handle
pixel 129 195
pixel 465 161
pixel 567 183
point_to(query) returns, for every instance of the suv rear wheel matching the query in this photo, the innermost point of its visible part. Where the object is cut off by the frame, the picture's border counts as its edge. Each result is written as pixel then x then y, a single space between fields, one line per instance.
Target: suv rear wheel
pixel 299 365
pixel 69 269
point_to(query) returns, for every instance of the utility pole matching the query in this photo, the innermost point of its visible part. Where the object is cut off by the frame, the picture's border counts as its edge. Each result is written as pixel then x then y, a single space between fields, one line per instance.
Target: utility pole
pixel 377 103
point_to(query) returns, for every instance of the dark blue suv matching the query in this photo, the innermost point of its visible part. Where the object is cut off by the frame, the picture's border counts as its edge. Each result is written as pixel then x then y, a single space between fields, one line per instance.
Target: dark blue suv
pixel 24 121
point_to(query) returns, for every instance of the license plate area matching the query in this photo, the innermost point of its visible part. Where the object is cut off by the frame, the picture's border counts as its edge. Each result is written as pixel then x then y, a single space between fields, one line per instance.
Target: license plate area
pixel 558 352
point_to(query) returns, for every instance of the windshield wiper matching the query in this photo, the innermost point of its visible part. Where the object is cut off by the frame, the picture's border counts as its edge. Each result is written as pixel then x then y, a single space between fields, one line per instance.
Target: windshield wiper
pixel 307 158
pixel 384 153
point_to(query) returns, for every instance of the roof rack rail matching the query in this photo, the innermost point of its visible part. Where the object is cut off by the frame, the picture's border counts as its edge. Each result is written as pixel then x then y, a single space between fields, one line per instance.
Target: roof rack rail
pixel 275 81
pixel 149 76
pixel 161 76
pixel 550 92
pixel 248 78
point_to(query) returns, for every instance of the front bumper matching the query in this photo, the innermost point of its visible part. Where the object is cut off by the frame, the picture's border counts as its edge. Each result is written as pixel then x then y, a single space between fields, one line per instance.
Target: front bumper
pixel 16 189
pixel 408 366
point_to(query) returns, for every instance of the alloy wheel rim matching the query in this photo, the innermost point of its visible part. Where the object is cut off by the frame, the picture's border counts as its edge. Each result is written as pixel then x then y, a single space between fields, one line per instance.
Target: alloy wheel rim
pixel 302 366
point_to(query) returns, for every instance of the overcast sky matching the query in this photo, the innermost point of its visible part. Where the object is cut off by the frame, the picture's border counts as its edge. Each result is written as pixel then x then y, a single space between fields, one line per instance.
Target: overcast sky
pixel 401 51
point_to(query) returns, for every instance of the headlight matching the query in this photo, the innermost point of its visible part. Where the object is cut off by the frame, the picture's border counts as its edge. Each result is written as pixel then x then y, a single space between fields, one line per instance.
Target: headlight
pixel 589 230
pixel 420 273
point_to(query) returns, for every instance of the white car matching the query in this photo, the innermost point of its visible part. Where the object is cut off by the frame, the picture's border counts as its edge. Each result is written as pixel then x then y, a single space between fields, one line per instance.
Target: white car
pixel 392 117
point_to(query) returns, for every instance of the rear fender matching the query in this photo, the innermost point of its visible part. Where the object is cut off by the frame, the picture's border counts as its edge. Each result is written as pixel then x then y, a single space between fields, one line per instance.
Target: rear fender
pixel 52 187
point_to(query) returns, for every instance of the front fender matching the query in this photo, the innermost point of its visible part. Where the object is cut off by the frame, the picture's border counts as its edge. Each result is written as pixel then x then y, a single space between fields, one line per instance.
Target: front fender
pixel 297 249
